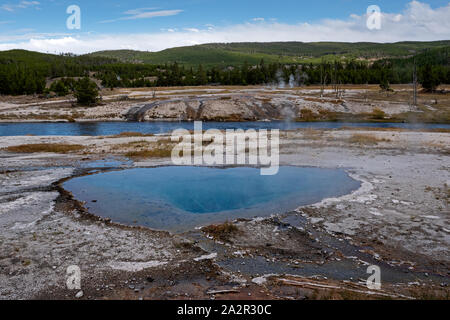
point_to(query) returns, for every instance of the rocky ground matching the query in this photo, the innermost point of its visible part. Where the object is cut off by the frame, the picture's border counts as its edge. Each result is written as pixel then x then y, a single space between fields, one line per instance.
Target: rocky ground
pixel 398 220
pixel 361 103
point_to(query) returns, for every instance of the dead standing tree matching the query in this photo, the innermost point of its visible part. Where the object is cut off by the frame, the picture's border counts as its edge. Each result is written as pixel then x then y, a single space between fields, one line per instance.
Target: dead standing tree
pixel 415 85
pixel 323 79
pixel 336 82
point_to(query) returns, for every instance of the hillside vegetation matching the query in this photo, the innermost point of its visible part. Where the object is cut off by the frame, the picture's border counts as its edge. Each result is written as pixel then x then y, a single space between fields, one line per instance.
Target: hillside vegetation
pixel 221 54
pixel 279 63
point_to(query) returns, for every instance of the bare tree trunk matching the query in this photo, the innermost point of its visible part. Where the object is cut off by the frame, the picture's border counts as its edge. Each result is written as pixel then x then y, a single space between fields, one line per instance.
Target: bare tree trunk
pixel 322 82
pixel 336 82
pixel 366 97
pixel 415 85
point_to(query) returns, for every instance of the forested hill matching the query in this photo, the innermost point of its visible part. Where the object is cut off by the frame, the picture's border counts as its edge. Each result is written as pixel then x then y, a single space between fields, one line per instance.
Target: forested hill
pixel 51 63
pixel 25 72
pixel 221 54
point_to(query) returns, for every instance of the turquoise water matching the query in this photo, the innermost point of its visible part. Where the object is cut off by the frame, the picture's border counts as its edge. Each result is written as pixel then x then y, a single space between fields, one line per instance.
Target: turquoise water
pixel 180 198
pixel 112 128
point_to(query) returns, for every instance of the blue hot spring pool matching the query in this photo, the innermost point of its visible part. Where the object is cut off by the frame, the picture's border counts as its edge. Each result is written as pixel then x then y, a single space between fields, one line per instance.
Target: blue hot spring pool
pixel 180 198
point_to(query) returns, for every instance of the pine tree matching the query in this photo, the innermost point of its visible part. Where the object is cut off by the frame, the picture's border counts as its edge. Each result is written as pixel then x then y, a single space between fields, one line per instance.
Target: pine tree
pixel 429 78
pixel 201 77
pixel 86 91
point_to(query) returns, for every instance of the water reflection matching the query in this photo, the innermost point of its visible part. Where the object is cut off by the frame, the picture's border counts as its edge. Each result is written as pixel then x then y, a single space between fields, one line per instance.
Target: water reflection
pixel 112 128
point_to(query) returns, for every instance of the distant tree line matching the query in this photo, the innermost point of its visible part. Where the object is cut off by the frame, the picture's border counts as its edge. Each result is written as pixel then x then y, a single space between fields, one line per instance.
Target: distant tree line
pixel 26 72
pixel 25 75
pixel 328 73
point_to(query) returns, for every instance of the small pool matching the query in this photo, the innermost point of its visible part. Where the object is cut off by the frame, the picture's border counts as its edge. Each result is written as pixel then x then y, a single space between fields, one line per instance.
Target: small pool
pixel 178 199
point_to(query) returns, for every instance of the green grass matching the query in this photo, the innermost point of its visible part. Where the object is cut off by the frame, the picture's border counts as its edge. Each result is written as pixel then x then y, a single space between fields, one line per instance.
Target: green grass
pixel 194 56
pixel 319 49
pixel 221 54
pixel 235 54
pixel 44 62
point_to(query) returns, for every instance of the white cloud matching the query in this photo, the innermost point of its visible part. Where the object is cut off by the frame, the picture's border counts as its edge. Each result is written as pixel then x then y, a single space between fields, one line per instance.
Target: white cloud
pixel 138 11
pixel 24 4
pixel 7 7
pixel 417 22
pixel 192 29
pixel 144 13
pixel 28 35
pixel 20 5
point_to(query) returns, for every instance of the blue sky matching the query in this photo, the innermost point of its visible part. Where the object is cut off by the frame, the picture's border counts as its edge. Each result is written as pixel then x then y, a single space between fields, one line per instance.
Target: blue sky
pixel 41 23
